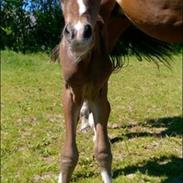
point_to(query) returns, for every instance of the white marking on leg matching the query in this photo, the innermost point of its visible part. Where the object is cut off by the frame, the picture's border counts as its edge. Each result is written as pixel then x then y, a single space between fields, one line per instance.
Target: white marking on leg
pixel 84 106
pixel 91 120
pixel 82 7
pixel 84 117
pixel 85 126
pixel 87 119
pixel 106 177
pixel 60 178
pixel 92 125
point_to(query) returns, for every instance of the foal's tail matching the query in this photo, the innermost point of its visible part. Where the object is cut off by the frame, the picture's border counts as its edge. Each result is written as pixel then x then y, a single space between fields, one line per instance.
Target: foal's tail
pixel 135 42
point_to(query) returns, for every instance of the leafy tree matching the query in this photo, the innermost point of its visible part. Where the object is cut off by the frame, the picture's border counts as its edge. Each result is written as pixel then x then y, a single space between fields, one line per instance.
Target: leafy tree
pixel 30 25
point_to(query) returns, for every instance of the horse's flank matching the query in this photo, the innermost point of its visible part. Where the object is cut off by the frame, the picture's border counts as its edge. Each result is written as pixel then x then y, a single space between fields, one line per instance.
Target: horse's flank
pixel 162 19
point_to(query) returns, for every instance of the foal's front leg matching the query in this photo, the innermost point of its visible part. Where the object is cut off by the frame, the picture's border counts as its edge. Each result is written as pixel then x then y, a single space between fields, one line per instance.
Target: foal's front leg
pixel 101 110
pixel 69 155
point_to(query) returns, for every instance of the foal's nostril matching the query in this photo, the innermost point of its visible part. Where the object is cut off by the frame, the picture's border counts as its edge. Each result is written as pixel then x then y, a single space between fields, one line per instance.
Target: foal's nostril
pixel 69 32
pixel 87 31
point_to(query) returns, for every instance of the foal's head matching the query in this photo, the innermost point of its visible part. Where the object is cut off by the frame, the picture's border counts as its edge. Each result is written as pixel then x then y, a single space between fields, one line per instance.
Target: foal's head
pixel 80 19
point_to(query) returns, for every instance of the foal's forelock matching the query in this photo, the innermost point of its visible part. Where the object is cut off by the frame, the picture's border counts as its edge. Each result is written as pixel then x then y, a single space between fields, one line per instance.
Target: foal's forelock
pixel 74 9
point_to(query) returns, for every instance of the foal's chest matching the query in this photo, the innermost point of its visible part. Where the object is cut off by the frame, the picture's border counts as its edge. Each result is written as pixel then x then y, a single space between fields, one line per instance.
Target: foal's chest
pixel 90 71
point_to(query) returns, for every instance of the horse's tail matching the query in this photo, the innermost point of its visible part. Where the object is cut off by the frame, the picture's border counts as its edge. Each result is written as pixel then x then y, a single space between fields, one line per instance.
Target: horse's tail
pixel 135 42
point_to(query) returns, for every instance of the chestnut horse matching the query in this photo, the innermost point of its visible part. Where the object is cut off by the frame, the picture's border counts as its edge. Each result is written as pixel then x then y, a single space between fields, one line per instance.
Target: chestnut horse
pixel 89 53
pixel 161 19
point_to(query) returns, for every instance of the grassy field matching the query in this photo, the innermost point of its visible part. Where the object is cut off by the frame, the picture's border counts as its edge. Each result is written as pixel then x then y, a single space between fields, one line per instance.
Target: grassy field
pixel 145 125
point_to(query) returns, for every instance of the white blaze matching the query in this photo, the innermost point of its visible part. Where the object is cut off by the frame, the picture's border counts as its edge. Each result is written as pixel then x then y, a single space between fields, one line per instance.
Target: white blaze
pixel 82 7
pixel 78 26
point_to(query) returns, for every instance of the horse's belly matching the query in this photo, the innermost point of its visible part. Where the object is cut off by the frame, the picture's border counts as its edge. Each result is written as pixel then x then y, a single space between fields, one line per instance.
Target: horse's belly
pixel 161 19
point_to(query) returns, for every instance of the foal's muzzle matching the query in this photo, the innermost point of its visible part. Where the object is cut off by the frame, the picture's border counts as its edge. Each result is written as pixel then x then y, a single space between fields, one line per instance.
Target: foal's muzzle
pixel 78 33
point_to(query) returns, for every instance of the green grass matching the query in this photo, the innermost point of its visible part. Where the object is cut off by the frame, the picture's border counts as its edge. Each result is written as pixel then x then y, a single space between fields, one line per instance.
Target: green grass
pixel 145 124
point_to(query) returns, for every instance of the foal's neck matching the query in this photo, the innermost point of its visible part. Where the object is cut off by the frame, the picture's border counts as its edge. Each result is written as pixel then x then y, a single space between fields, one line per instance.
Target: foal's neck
pixel 92 67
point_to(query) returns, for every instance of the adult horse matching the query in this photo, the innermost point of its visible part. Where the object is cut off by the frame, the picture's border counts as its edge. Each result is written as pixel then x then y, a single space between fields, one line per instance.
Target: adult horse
pixel 87 45
pixel 161 19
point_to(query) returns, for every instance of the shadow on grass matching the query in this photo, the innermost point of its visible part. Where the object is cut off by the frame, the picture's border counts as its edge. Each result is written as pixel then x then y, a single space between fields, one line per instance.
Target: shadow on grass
pixel 173 127
pixel 171 167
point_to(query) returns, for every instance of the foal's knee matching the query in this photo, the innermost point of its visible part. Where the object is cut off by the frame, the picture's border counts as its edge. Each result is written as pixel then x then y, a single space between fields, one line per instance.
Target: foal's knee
pixel 68 164
pixel 69 161
pixel 104 159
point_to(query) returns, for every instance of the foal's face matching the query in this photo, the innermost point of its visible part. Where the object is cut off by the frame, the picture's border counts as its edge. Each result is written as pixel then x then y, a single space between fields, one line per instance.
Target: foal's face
pixel 80 19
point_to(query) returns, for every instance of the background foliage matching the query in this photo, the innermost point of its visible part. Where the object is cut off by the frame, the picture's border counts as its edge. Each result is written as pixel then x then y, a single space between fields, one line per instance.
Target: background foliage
pixel 32 25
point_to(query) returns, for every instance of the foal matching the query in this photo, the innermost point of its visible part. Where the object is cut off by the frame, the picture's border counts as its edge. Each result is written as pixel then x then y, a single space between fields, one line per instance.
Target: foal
pixel 86 69
pixel 90 33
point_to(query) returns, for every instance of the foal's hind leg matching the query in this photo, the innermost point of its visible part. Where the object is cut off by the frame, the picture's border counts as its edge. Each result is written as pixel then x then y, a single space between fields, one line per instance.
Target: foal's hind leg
pixel 101 109
pixel 70 155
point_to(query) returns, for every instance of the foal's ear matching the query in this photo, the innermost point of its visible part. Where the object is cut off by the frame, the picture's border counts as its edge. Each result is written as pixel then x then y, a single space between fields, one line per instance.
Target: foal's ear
pixel 62 4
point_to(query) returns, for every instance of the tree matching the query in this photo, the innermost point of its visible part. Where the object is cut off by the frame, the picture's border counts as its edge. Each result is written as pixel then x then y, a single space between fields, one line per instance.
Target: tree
pixel 30 25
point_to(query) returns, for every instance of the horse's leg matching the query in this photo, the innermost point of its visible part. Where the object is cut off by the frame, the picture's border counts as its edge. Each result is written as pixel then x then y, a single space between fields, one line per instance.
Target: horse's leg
pixel 101 111
pixel 69 155
pixel 87 120
pixel 119 25
pixel 84 117
pixel 113 18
